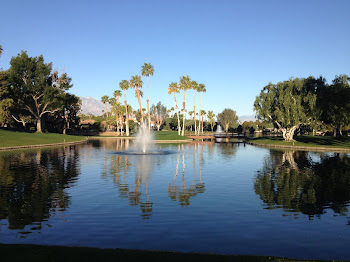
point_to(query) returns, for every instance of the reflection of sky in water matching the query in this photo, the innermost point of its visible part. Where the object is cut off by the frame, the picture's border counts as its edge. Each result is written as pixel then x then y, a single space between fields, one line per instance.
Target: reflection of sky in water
pixel 201 198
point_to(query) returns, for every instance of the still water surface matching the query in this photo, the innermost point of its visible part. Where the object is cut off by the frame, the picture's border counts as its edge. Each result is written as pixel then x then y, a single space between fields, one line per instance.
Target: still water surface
pixel 202 197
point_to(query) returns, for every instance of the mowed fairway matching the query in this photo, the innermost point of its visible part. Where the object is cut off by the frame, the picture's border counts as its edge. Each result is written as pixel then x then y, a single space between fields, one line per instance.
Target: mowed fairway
pixel 13 138
pixel 305 141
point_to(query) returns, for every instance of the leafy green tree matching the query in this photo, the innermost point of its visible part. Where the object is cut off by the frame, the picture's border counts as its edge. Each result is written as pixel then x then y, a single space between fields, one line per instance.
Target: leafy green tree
pixel 227 118
pixel 159 113
pixel 211 117
pixel 148 70
pixel 334 103
pixel 34 87
pixel 136 82
pixel 124 85
pixel 6 102
pixel 287 104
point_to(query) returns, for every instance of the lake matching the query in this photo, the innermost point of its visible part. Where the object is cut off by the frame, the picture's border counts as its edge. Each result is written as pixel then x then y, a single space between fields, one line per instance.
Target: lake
pixel 223 198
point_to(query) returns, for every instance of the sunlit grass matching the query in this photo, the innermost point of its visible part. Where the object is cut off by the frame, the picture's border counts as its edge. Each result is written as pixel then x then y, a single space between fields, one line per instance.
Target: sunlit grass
pixel 305 141
pixel 168 135
pixel 15 138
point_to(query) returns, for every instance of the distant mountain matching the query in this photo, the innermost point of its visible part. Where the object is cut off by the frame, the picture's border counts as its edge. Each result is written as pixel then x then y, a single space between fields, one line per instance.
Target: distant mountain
pixel 246 118
pixel 93 106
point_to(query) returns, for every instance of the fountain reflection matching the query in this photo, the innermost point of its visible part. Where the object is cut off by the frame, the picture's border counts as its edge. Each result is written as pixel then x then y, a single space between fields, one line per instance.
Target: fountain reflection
pixel 131 175
pixel 33 185
pixel 305 182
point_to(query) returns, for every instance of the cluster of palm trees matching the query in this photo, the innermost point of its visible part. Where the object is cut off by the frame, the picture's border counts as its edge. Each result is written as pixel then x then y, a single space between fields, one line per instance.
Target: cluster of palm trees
pixel 136 83
pixel 185 84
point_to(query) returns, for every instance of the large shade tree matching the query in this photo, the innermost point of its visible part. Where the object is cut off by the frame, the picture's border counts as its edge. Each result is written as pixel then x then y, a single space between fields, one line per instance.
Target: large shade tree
pixel 227 118
pixel 287 104
pixel 148 70
pixel 334 103
pixel 35 87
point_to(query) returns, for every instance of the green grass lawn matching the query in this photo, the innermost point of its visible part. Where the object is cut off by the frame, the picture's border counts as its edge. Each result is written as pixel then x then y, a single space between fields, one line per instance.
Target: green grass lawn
pixel 305 141
pixel 13 138
pixel 168 135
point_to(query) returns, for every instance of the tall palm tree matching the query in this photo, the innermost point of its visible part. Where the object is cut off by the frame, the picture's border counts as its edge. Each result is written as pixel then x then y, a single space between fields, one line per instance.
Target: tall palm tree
pixel 136 82
pixel 117 94
pixel 185 84
pixel 105 100
pixel 124 85
pixel 195 88
pixel 174 88
pixel 203 113
pixel 148 70
pixel 201 89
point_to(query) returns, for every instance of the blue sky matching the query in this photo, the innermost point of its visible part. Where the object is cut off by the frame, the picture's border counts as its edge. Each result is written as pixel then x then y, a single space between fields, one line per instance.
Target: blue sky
pixel 233 47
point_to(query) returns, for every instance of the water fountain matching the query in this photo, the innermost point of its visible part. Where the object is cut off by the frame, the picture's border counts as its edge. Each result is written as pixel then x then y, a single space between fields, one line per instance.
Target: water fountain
pixel 218 130
pixel 218 134
pixel 144 144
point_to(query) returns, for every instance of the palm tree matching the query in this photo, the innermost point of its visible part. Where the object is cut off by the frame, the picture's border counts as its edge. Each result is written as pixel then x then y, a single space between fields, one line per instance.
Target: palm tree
pixel 172 111
pixel 191 113
pixel 174 88
pixel 124 85
pixel 147 70
pixel 195 88
pixel 203 113
pixel 201 89
pixel 105 100
pixel 117 94
pixel 185 84
pixel 136 82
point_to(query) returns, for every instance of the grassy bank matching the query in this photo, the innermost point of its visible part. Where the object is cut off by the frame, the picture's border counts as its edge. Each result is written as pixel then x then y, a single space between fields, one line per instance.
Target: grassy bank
pixel 37 253
pixel 305 141
pixel 13 138
pixel 168 135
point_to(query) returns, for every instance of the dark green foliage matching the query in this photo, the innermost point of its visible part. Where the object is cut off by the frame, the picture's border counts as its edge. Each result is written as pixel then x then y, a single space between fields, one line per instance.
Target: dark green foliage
pixel 32 92
pixel 227 118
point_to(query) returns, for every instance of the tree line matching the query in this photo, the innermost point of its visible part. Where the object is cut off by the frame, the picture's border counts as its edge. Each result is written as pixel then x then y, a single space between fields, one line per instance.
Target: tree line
pixel 306 103
pixel 31 92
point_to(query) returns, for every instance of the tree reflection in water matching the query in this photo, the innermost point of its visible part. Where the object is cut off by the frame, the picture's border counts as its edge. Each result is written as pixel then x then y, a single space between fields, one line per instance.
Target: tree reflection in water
pixel 138 194
pixel 181 192
pixel 32 185
pixel 298 182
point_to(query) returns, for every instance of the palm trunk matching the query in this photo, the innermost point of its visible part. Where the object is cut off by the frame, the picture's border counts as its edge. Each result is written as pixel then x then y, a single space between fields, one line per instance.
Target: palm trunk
pixel 106 109
pixel 139 99
pixel 184 114
pixel 149 115
pixel 126 116
pixel 200 110
pixel 178 116
pixel 194 112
